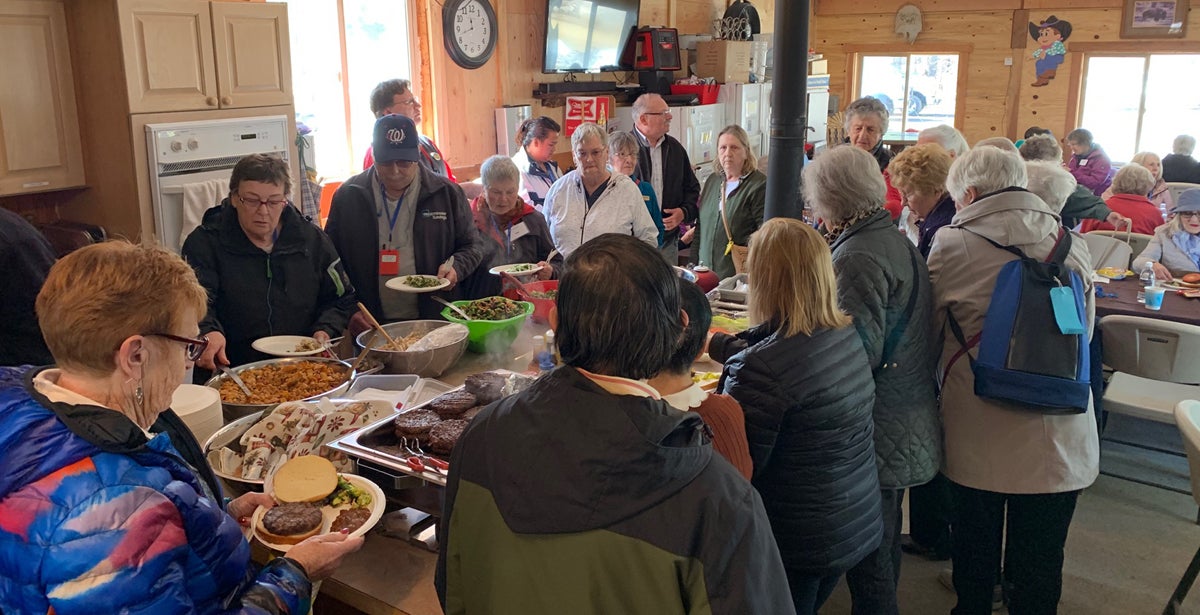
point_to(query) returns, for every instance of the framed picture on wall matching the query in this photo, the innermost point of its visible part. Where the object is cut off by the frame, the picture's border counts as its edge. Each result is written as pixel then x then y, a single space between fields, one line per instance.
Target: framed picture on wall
pixel 1154 18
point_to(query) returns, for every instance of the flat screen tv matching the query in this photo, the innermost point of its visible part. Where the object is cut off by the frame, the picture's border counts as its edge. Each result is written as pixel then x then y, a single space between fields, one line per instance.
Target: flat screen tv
pixel 587 36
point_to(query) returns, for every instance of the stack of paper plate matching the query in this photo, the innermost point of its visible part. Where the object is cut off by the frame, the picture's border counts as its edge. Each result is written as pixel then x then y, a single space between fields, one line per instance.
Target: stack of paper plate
pixel 200 409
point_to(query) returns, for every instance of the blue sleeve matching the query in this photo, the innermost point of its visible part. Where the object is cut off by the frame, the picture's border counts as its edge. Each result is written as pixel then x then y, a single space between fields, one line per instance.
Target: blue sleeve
pixel 652 206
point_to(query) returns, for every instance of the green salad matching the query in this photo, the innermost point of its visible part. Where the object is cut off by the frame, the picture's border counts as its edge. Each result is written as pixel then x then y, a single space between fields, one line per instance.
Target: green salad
pixel 422 281
pixel 521 267
pixel 543 294
pixel 493 308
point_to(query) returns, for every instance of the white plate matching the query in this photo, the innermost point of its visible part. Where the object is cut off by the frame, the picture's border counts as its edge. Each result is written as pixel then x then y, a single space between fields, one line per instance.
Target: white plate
pixel 330 513
pixel 513 269
pixel 284 346
pixel 397 283
pixel 1177 285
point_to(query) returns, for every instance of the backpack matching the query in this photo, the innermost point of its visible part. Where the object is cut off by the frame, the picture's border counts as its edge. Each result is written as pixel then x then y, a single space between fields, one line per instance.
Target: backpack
pixel 1024 356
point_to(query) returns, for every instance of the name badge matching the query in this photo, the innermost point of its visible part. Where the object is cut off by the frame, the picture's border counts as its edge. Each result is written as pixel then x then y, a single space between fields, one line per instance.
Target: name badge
pixel 1083 163
pixel 389 262
pixel 519 230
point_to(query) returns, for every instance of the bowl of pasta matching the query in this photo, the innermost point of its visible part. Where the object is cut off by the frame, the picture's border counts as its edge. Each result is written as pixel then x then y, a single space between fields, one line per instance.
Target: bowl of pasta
pixel 426 348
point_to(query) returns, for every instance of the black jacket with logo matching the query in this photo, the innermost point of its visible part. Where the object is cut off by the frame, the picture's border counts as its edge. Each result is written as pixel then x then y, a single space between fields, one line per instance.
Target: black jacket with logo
pixel 296 289
pixel 444 227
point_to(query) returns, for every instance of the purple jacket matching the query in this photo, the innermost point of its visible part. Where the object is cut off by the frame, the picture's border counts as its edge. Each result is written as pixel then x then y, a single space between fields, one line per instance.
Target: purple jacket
pixel 1093 170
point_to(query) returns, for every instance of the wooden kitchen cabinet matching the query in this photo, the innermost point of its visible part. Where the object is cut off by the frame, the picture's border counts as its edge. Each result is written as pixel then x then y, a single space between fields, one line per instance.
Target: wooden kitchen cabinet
pixel 39 128
pixel 190 55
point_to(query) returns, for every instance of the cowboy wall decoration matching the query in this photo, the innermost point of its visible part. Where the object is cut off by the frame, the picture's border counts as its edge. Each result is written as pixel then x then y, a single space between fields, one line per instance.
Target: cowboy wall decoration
pixel 1051 36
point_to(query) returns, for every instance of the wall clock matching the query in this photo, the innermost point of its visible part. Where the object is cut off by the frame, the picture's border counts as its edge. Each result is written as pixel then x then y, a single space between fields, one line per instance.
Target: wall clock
pixel 469 31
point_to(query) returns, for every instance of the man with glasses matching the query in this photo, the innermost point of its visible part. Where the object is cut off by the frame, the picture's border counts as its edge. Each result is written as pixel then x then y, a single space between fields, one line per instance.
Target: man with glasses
pixel 399 218
pixel 664 163
pixel 267 270
pixel 395 96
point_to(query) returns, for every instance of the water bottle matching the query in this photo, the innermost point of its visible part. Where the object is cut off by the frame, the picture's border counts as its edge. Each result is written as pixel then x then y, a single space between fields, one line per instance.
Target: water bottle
pixel 1147 282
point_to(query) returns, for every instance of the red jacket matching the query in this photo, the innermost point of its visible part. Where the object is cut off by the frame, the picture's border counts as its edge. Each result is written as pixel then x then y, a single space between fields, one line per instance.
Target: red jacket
pixel 892 199
pixel 1145 215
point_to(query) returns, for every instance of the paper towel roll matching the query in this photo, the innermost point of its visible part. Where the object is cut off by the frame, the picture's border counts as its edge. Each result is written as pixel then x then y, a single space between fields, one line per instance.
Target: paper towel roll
pixel 200 409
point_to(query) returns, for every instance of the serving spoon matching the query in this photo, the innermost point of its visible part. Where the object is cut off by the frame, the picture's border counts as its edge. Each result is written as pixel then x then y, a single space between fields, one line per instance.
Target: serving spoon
pixel 455 308
pixel 236 378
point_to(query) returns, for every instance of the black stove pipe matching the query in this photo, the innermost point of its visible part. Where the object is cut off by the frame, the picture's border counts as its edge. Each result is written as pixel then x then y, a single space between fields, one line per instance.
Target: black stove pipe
pixel 789 117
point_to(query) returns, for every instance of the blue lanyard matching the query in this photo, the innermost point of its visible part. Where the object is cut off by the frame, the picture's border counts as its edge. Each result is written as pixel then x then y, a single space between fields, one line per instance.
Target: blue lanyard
pixel 392 216
pixel 508 240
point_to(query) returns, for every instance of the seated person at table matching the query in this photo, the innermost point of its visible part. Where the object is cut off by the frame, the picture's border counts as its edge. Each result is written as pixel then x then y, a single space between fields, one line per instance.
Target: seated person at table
pixel 1179 166
pixel 101 515
pixel 511 229
pixel 588 494
pixel 25 257
pixel 1051 182
pixel 1160 194
pixel 1130 186
pixel 396 96
pixel 399 218
pixel 1089 164
pixel 1082 204
pixel 1175 247
pixel 721 413
pixel 267 270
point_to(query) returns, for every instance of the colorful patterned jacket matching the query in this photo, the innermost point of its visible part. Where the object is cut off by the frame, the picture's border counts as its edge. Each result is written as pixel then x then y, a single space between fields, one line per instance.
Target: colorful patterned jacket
pixel 95 518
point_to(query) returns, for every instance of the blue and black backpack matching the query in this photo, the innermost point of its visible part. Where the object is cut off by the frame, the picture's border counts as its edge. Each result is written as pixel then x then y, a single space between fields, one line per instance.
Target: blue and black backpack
pixel 1027 355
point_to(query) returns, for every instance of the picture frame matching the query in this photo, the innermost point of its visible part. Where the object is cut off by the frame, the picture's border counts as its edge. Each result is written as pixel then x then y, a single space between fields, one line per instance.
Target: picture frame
pixel 1154 18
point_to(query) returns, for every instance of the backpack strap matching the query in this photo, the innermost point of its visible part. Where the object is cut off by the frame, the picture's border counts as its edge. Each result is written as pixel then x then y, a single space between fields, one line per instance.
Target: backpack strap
pixel 893 338
pixel 964 346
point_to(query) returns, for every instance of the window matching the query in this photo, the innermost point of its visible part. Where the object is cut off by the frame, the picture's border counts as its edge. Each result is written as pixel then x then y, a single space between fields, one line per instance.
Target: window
pixel 930 80
pixel 376 44
pixel 1139 102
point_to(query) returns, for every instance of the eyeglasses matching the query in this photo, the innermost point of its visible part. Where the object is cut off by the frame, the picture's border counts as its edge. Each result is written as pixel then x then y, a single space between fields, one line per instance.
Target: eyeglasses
pixel 666 113
pixel 626 155
pixel 412 102
pixel 193 347
pixel 255 203
pixel 596 153
pixel 1190 215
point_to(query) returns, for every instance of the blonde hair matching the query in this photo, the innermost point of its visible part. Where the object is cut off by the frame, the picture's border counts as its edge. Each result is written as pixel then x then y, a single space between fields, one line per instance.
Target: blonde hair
pixel 98 296
pixel 1133 178
pixel 922 168
pixel 792 279
pixel 1142 157
pixel 739 133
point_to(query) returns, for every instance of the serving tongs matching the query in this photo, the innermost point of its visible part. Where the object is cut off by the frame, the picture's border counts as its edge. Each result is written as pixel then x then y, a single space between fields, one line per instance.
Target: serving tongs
pixel 454 308
pixel 517 285
pixel 419 461
pixel 236 378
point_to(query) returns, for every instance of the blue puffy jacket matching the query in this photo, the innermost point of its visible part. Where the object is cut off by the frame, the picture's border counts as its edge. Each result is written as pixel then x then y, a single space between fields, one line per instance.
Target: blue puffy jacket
pixel 96 519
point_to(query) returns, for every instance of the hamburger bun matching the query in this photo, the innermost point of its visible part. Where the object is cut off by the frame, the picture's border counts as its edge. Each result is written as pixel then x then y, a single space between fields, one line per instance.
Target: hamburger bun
pixel 288 524
pixel 1191 278
pixel 309 478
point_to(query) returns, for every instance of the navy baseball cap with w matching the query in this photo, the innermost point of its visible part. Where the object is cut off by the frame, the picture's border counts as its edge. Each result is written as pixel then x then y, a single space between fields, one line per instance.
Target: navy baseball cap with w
pixel 395 139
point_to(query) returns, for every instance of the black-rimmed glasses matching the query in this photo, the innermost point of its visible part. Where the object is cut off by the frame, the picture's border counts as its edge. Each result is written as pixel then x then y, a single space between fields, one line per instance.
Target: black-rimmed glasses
pixel 193 347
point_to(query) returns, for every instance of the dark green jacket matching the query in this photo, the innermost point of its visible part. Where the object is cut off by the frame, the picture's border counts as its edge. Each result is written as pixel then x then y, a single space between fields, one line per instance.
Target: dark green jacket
pixel 1081 205
pixel 567 499
pixel 744 211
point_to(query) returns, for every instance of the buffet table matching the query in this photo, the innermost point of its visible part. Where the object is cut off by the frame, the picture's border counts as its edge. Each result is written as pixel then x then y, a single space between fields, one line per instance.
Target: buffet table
pixel 393 576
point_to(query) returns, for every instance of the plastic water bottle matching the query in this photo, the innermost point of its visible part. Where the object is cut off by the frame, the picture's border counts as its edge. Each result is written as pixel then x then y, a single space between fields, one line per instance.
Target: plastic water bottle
pixel 1147 282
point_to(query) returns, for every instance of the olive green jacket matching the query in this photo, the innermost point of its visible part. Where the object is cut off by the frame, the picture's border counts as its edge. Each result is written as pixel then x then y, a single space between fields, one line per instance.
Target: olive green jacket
pixel 744 209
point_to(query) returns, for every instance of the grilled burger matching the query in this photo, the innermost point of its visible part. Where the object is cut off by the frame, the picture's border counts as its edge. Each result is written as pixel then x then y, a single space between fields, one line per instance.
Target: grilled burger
pixel 288 524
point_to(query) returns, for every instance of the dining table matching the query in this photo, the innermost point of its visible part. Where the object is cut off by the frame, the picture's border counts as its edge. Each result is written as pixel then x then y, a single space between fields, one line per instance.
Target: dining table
pixel 1175 308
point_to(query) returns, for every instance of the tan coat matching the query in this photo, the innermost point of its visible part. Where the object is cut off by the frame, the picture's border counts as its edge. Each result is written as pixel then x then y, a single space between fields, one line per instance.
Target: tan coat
pixel 991 445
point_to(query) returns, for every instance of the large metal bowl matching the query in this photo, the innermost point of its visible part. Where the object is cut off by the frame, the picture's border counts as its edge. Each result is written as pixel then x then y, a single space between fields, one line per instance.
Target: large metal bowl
pixel 233 412
pixel 424 363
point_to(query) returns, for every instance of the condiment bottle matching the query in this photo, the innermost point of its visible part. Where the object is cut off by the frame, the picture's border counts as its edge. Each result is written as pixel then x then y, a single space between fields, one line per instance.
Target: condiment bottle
pixel 539 346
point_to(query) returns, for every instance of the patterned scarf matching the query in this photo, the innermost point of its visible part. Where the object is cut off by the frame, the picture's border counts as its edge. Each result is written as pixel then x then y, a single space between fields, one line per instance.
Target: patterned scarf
pixel 832 233
pixel 1190 244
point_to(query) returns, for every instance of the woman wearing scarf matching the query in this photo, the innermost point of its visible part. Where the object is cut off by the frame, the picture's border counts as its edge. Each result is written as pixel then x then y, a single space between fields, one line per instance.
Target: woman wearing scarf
pixel 1175 247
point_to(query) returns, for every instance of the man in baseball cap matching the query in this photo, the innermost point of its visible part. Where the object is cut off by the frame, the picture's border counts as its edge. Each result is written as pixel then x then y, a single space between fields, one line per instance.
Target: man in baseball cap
pixel 398 218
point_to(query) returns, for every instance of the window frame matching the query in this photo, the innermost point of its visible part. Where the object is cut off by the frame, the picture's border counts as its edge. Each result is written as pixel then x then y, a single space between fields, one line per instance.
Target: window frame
pixel 855 54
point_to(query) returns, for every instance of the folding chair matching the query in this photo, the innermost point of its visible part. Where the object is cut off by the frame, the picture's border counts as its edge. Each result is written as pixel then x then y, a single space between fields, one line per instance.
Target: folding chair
pixel 1108 251
pixel 1187 416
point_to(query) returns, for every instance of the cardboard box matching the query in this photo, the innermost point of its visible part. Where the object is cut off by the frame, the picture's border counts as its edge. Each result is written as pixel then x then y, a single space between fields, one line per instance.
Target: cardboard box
pixel 725 61
pixel 818 67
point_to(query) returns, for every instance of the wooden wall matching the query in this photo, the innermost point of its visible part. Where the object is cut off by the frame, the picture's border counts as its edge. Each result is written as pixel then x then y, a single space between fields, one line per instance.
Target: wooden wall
pixel 1000 100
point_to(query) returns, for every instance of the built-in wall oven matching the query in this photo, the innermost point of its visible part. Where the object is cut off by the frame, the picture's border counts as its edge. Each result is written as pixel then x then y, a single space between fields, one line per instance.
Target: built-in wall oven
pixel 185 155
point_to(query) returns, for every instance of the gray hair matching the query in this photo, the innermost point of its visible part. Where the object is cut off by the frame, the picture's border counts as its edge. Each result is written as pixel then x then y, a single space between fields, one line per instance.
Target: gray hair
pixel 1001 143
pixel 948 137
pixel 588 130
pixel 619 142
pixel 987 170
pixel 1133 178
pixel 641 104
pixel 498 169
pixel 1184 145
pixel 1042 147
pixel 842 183
pixel 865 106
pixel 1052 183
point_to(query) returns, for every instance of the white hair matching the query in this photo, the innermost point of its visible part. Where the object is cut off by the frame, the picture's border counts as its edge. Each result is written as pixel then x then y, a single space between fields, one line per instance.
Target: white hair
pixel 842 183
pixel 948 137
pixel 498 169
pixel 1041 147
pixel 1051 182
pixel 641 104
pixel 866 106
pixel 586 130
pixel 1133 178
pixel 1184 145
pixel 987 170
pixel 1003 143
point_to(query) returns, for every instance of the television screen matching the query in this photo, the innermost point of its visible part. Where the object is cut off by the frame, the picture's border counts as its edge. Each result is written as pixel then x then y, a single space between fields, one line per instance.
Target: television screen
pixel 587 35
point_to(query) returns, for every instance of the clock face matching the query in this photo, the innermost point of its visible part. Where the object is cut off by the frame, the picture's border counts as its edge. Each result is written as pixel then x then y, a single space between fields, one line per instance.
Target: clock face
pixel 472 29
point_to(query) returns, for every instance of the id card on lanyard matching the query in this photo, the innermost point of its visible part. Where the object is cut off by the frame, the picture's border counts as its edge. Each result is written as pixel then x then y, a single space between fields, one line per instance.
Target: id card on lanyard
pixel 389 257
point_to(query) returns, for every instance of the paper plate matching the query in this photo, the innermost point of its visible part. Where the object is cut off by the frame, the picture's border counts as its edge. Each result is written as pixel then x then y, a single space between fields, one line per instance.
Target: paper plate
pixel 516 269
pixel 285 346
pixel 330 513
pixel 401 284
